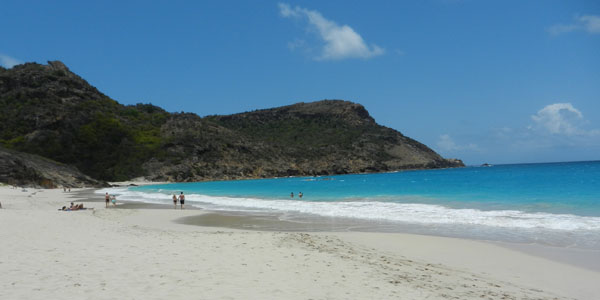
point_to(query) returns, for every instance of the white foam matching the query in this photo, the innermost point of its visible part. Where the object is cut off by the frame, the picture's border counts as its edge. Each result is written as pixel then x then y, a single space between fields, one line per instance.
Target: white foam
pixel 385 211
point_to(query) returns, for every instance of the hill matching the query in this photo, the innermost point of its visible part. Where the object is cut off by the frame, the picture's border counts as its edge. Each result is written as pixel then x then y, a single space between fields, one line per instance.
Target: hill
pixel 49 111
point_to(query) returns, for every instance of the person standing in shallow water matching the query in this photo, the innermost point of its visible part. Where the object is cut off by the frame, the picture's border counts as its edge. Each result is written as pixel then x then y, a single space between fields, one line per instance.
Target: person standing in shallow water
pixel 175 201
pixel 292 195
pixel 300 195
pixel 182 199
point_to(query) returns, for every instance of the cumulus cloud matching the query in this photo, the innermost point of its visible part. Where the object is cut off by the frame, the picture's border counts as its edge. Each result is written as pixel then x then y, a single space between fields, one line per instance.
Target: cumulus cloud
pixel 8 62
pixel 587 23
pixel 339 42
pixel 561 119
pixel 556 132
pixel 446 143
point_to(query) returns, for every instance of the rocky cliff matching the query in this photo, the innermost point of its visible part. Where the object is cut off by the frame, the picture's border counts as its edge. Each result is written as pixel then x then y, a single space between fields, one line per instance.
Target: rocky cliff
pixel 23 169
pixel 49 111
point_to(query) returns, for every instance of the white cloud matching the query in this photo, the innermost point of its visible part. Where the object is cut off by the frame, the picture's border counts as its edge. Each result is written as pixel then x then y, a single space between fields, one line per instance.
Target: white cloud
pixel 556 132
pixel 297 43
pixel 556 126
pixel 591 23
pixel 446 143
pixel 286 11
pixel 340 42
pixel 559 118
pixel 560 29
pixel 8 62
pixel 587 23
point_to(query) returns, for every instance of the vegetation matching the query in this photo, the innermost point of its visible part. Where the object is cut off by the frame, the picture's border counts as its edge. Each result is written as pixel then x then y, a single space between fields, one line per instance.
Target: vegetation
pixel 49 111
pixel 56 114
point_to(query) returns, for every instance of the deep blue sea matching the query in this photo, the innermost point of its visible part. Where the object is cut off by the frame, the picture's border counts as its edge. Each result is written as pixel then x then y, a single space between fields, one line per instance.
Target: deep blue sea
pixel 550 203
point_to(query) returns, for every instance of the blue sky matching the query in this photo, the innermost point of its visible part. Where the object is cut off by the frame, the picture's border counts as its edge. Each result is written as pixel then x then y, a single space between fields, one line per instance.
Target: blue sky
pixel 484 81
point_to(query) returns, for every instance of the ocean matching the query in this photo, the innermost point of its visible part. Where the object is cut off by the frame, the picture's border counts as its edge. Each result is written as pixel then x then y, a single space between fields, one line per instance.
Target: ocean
pixel 554 204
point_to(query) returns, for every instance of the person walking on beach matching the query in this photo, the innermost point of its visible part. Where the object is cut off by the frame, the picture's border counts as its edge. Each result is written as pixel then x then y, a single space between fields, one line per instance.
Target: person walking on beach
pixel 114 200
pixel 107 199
pixel 175 201
pixel 182 199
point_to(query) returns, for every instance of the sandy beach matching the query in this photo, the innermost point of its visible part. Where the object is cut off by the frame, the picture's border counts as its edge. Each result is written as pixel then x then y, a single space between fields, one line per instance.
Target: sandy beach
pixel 143 253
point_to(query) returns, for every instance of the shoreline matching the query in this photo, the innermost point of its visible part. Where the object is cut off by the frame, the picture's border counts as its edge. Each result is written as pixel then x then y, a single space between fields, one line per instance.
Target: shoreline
pixel 243 220
pixel 582 258
pixel 139 252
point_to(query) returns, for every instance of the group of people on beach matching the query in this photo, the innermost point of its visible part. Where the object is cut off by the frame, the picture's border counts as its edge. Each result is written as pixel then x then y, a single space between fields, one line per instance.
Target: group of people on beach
pixel 110 198
pixel 181 200
pixel 299 195
pixel 73 207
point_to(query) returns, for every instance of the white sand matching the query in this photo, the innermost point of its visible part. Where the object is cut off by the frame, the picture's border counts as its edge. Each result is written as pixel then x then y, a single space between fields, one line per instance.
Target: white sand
pixel 142 254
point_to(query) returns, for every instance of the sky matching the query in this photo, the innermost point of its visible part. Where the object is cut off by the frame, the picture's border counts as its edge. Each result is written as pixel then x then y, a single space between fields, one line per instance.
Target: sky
pixel 483 81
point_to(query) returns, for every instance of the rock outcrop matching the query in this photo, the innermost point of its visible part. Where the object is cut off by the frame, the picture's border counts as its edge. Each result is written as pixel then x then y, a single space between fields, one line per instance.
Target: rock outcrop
pixel 23 169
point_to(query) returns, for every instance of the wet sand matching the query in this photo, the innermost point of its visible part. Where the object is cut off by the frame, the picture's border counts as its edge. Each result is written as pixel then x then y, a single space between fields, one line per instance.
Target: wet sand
pixel 587 259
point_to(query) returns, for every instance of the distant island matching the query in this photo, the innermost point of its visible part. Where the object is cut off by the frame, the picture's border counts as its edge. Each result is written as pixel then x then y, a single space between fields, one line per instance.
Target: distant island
pixel 57 129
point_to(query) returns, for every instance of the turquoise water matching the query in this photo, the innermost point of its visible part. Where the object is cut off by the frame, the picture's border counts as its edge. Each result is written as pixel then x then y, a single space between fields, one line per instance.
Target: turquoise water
pixel 556 200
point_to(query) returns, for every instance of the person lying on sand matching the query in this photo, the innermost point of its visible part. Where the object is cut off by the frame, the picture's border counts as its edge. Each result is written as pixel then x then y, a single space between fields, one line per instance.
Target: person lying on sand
pixel 73 207
pixel 76 206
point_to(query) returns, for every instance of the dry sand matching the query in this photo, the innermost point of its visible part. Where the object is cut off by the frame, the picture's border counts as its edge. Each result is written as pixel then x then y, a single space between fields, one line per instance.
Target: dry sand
pixel 143 254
